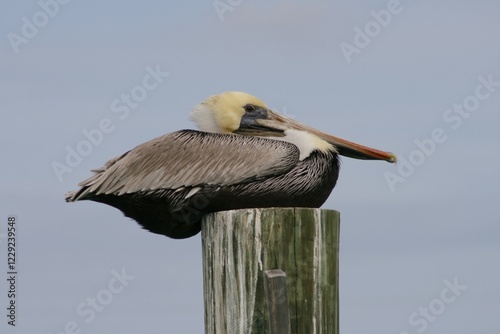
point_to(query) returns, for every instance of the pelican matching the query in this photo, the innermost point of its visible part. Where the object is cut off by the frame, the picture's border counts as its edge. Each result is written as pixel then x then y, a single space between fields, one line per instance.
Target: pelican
pixel 244 156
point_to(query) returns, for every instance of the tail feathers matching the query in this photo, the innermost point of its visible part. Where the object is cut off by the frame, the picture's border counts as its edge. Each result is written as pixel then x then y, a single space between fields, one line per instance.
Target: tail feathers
pixel 70 196
pixel 73 196
pixel 94 184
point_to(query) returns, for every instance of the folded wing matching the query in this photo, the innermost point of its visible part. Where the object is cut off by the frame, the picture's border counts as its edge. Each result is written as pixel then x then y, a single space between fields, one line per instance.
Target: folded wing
pixel 190 158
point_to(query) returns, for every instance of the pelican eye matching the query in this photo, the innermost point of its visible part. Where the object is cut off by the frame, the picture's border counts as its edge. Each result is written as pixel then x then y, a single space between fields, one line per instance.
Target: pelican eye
pixel 249 108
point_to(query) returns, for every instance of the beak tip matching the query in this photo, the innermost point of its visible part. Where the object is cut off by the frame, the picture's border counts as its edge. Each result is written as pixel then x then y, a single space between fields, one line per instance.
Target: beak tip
pixel 392 158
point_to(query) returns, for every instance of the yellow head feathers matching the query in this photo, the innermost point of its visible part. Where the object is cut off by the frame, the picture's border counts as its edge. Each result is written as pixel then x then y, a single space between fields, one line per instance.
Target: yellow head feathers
pixel 223 112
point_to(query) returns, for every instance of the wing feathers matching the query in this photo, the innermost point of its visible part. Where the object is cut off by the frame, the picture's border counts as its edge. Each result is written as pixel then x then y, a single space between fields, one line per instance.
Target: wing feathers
pixel 190 158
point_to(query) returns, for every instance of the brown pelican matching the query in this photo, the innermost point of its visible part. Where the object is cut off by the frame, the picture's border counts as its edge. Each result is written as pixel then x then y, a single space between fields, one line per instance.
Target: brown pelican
pixel 245 156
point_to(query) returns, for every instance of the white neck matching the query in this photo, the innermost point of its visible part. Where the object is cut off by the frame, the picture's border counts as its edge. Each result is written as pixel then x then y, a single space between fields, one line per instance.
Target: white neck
pixel 306 142
pixel 203 117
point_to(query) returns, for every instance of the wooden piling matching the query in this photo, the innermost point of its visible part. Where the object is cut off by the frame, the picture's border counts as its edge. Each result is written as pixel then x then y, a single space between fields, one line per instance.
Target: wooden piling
pixel 277 301
pixel 240 245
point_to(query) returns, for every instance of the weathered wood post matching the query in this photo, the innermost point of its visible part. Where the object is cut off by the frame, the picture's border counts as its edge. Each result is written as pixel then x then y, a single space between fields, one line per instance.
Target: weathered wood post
pixel 277 301
pixel 239 245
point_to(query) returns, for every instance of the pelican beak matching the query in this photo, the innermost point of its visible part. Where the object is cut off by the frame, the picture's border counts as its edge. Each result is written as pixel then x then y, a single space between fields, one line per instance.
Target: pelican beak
pixel 357 151
pixel 267 123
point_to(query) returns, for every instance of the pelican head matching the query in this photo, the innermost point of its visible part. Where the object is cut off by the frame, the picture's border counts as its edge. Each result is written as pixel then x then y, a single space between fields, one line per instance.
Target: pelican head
pixel 244 114
pixel 224 112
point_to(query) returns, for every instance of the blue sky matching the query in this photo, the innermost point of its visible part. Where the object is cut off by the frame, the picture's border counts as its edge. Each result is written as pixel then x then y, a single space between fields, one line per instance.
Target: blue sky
pixel 417 86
